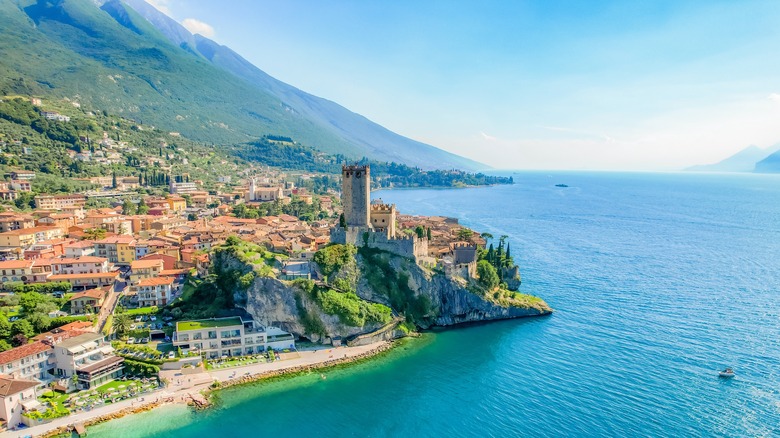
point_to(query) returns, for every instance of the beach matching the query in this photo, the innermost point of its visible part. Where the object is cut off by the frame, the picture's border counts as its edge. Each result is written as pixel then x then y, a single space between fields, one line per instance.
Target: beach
pixel 191 387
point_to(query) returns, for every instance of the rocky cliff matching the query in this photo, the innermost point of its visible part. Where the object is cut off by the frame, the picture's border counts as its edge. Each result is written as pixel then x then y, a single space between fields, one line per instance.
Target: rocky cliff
pixel 368 291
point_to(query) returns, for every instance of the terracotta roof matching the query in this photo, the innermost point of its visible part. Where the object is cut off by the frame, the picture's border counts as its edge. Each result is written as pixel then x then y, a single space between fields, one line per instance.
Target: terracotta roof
pixel 117 239
pixel 141 263
pixel 23 351
pixel 16 264
pixel 173 272
pixel 25 231
pixel 10 386
pixel 156 281
pixel 89 293
pixel 57 277
pixel 81 244
pixel 82 259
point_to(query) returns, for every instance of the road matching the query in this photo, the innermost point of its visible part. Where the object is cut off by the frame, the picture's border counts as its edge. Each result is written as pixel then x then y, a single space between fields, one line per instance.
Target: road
pixel 110 304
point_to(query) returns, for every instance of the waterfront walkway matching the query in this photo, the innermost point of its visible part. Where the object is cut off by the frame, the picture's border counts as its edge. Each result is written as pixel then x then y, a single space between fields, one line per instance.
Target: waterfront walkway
pixel 180 387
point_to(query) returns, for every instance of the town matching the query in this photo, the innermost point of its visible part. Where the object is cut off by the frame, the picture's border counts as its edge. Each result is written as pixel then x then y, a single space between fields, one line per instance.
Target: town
pixel 86 292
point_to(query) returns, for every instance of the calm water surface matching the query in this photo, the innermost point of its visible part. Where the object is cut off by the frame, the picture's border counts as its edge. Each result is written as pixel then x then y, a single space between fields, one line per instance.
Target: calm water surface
pixel 658 281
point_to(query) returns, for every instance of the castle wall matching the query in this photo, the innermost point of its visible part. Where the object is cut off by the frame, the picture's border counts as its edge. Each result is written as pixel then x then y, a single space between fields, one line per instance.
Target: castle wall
pixel 405 246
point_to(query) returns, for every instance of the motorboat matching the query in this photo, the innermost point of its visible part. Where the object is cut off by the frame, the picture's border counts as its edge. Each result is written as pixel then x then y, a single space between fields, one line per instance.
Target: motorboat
pixel 728 372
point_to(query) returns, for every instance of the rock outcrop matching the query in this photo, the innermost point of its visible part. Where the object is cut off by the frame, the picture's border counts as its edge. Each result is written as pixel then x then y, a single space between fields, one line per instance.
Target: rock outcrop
pixel 423 296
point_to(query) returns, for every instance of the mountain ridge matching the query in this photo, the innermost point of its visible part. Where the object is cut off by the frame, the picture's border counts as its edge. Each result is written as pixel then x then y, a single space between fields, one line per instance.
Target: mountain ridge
pixel 107 56
pixel 744 160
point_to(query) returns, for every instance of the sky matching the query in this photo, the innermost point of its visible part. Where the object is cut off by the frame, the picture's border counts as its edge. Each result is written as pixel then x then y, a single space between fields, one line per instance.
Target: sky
pixel 604 85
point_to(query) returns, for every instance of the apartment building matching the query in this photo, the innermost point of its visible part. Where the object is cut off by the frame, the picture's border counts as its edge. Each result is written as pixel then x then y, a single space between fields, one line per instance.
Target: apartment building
pixel 90 358
pixel 156 291
pixel 226 337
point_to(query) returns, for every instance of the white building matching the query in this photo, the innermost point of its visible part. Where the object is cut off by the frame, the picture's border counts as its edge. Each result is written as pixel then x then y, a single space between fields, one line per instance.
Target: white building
pixel 219 337
pixel 90 358
pixel 15 394
pixel 157 291
pixel 79 265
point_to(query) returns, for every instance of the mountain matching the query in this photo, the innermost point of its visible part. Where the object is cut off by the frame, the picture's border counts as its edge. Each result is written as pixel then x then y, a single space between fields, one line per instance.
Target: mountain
pixel 743 161
pixel 135 62
pixel 770 164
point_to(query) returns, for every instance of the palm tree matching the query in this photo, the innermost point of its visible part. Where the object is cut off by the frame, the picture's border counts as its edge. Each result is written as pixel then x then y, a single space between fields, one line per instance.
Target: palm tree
pixel 122 324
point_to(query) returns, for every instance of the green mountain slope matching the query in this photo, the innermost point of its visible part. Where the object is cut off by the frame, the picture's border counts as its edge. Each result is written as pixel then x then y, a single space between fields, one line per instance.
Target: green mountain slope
pixel 110 58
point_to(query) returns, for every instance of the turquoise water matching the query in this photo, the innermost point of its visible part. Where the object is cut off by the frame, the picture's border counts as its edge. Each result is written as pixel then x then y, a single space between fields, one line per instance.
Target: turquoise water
pixel 658 281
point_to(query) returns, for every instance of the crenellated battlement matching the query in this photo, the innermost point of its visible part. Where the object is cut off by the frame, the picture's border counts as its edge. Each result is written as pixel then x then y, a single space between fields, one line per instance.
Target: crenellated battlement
pixel 464 246
pixel 382 207
pixel 355 170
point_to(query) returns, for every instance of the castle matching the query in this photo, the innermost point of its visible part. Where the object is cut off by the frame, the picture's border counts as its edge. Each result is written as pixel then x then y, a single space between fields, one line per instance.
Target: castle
pixel 372 225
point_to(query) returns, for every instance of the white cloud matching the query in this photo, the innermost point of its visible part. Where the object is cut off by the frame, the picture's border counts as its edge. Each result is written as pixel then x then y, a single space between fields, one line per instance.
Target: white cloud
pixel 197 26
pixel 161 5
pixel 488 137
pixel 774 97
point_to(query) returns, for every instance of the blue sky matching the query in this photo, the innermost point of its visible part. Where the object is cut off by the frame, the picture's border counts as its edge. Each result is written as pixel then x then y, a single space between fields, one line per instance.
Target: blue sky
pixel 527 84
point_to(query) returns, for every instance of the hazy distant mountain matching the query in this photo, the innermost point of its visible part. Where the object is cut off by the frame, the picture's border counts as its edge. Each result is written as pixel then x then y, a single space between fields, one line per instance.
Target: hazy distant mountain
pixel 770 164
pixel 133 61
pixel 743 161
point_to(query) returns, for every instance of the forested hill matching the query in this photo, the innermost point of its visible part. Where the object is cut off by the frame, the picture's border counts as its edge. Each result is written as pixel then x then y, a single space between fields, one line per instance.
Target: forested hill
pixel 284 153
pixel 106 56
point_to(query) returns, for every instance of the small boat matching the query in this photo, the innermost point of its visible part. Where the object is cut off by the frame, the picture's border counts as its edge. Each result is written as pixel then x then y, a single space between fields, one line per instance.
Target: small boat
pixel 728 372
pixel 561 185
pixel 322 376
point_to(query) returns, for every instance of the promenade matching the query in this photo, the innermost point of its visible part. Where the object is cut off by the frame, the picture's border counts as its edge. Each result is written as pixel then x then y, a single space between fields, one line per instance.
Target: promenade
pixel 182 388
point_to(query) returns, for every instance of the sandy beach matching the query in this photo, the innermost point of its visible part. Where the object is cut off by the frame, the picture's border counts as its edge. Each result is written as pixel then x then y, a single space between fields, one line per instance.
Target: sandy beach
pixel 183 388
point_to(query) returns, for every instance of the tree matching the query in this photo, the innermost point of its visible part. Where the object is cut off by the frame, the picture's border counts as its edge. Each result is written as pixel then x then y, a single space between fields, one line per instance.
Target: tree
pixel 22 327
pixel 40 321
pixel 30 300
pixel 113 180
pixel 342 221
pixel 192 217
pixel 420 231
pixel 487 236
pixel 465 234
pixel 488 276
pixel 95 233
pixel 19 339
pixel 428 233
pixel 5 327
pixel 4 345
pixel 128 207
pixel 233 240
pixel 122 324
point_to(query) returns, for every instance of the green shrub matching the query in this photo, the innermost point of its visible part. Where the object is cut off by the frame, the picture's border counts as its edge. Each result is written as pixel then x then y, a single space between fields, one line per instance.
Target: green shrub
pixel 331 258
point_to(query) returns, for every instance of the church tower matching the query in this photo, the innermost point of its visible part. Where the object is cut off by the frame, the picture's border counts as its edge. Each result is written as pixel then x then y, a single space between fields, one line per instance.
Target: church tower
pixel 356 195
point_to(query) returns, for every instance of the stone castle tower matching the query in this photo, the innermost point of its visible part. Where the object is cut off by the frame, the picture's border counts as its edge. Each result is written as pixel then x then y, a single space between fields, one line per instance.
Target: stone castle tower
pixel 356 195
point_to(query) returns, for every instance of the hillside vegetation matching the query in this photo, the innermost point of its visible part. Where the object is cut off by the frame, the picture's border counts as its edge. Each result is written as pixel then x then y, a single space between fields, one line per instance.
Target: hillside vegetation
pixel 112 59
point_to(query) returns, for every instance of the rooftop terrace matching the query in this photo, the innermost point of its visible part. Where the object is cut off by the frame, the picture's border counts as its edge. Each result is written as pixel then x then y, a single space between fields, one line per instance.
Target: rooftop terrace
pixel 208 323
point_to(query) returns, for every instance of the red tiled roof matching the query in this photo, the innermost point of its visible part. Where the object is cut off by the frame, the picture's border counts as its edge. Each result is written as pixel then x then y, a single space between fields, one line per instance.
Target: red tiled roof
pixel 16 264
pixel 9 386
pixel 83 259
pixel 156 281
pixel 145 263
pixel 58 277
pixel 23 351
pixel 90 293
